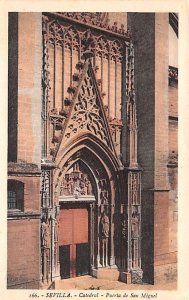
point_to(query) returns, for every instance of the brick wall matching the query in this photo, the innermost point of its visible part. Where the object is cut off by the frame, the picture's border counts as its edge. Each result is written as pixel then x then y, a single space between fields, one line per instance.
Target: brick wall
pixel 165 273
pixel 173 101
pixel 29 87
pixel 23 254
pixel 161 224
pixel 173 136
pixel 24 238
pixel 165 243
pixel 147 235
pixel 23 259
pixel 161 100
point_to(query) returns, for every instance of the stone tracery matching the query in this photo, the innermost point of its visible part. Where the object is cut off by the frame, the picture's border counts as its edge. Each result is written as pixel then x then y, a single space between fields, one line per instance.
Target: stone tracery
pixel 87 113
pixel 75 39
pixel 65 43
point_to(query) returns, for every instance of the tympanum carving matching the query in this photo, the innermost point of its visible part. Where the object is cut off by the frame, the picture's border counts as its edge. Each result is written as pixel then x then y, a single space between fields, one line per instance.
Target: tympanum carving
pixel 76 183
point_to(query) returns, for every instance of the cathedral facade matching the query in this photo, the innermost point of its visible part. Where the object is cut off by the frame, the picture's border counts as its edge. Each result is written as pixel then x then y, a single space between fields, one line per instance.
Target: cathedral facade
pixel 92 153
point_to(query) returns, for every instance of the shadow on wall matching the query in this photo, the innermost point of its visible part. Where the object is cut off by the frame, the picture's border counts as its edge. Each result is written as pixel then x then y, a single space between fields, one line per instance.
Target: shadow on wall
pixel 147 234
pixel 12 86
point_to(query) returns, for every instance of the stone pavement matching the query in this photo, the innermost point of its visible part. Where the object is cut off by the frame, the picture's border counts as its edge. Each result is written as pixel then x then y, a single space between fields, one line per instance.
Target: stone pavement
pixel 89 283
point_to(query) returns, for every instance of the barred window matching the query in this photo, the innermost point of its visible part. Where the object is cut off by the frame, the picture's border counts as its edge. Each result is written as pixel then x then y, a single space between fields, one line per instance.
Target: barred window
pixel 12 200
pixel 15 194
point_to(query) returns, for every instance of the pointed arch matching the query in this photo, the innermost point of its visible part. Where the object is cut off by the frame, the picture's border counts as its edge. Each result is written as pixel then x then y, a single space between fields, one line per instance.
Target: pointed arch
pixel 99 159
pixel 94 147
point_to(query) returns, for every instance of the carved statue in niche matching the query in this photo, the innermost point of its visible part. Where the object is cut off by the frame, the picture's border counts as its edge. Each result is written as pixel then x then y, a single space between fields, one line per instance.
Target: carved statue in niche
pixel 87 185
pixel 102 183
pixel 135 236
pixel 124 229
pixel 70 184
pixel 105 223
pixel 45 234
pixel 45 248
pixel 104 198
pixel 135 223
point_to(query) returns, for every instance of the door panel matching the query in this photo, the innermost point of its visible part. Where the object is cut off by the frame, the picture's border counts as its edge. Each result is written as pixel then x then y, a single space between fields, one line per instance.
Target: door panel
pixel 82 259
pixel 64 257
pixel 65 227
pixel 73 231
pixel 80 226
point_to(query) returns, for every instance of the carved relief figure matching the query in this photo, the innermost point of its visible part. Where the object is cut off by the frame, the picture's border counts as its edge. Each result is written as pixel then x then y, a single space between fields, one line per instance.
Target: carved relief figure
pixel 104 198
pixel 135 223
pixel 77 190
pixel 45 234
pixel 45 245
pixel 124 229
pixel 105 226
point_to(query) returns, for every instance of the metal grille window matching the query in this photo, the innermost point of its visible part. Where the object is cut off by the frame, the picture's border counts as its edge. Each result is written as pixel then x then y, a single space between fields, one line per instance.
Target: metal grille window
pixel 12 200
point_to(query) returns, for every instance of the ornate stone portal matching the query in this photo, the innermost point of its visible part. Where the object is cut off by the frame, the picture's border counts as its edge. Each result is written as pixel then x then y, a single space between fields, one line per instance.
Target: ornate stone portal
pixel 82 136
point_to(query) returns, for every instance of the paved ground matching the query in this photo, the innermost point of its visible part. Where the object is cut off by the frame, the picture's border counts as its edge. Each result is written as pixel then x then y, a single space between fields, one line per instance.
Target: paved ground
pixel 90 283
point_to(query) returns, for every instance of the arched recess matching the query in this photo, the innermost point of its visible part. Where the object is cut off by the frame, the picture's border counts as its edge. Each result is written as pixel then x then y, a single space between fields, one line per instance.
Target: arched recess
pixel 101 168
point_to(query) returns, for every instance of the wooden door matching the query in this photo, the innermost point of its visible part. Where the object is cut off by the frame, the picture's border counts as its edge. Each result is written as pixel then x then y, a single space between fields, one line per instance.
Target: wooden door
pixel 82 259
pixel 64 258
pixel 73 231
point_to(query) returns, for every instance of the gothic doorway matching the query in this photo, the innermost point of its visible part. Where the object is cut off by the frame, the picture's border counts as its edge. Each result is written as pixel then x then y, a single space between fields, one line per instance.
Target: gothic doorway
pixel 86 230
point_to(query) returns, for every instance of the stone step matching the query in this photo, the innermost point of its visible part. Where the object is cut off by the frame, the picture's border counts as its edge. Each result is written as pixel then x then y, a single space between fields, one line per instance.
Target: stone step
pixel 106 273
